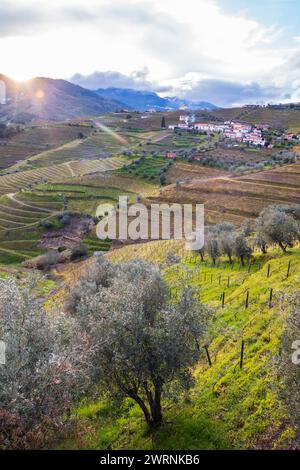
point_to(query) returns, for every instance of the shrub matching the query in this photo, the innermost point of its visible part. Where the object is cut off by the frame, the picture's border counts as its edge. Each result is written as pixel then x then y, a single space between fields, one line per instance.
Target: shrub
pixel 47 261
pixel 65 219
pixel 162 179
pixel 288 371
pixel 47 224
pixel 79 251
pixel 46 369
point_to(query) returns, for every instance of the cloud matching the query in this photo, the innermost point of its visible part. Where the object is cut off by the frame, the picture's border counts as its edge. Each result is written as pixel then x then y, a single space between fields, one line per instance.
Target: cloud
pixel 137 79
pixel 226 93
pixel 17 21
pixel 194 47
pixel 220 92
pixel 28 17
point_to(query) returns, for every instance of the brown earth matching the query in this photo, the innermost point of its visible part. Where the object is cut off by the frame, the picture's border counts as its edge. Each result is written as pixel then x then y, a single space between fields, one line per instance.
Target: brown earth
pixel 69 236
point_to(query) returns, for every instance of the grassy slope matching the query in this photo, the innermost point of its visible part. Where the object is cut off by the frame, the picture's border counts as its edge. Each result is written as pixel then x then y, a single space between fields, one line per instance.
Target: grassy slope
pixel 228 407
pixel 279 118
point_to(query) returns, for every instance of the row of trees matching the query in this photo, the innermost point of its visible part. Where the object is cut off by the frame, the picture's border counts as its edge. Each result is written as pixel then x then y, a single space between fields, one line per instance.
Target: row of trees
pixel 231 164
pixel 120 334
pixel 276 224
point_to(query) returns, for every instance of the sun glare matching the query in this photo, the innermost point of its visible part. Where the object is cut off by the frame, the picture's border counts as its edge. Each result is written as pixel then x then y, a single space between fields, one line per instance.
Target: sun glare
pixel 21 76
pixel 40 94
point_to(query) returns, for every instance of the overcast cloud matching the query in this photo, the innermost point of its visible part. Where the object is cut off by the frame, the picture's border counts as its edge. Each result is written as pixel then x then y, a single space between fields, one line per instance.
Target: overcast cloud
pixel 195 49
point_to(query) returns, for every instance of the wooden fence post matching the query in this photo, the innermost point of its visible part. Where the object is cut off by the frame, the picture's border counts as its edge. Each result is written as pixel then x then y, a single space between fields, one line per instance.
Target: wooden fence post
pixel 289 269
pixel 208 355
pixel 247 299
pixel 228 281
pixel 223 300
pixel 242 354
pixel 268 272
pixel 271 298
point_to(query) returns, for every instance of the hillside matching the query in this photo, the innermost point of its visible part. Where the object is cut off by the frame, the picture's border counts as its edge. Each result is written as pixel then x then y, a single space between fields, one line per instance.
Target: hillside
pixel 288 118
pixel 229 407
pixel 51 100
pixel 54 177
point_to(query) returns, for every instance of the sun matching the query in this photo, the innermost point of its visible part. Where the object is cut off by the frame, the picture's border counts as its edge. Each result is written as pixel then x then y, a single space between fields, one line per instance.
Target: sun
pixel 20 76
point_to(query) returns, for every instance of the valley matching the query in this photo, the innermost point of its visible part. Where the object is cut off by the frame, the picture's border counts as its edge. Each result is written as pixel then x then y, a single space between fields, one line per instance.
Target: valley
pixel 73 167
pixel 55 175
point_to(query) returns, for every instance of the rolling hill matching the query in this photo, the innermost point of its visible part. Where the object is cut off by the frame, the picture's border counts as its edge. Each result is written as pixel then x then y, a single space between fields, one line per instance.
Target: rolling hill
pixel 51 100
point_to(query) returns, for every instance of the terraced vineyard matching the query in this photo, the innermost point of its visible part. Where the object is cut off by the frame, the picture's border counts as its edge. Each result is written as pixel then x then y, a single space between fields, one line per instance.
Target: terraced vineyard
pixel 81 171
pixel 80 197
pixel 23 209
pixel 17 181
pixel 234 198
pixel 34 140
pixel 98 144
pixel 20 225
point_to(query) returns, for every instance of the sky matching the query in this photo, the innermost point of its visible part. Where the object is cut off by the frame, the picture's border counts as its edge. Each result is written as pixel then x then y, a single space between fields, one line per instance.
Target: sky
pixel 228 52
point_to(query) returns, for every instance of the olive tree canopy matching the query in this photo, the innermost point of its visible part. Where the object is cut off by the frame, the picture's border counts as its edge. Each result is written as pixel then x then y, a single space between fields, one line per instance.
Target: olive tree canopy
pixel 276 225
pixel 144 342
pixel 46 367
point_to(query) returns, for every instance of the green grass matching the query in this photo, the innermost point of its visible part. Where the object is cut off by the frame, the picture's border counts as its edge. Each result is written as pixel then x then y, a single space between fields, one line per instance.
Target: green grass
pixel 95 244
pixel 147 168
pixel 228 407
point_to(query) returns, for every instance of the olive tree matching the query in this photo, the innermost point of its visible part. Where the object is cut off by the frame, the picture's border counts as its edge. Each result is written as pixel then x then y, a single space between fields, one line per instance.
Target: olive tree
pixel 144 343
pixel 288 360
pixel 212 246
pixel 227 241
pixel 275 225
pixel 45 368
pixel 241 247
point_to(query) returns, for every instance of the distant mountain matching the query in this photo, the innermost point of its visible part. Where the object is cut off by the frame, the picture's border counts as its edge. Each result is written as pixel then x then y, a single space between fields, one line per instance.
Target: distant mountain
pixel 144 100
pixel 49 99
pixel 58 100
pixel 193 105
pixel 135 99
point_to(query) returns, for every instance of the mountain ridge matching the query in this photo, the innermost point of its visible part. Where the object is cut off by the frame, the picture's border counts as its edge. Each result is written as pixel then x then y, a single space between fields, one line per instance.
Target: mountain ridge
pixel 44 98
pixel 143 100
pixel 49 99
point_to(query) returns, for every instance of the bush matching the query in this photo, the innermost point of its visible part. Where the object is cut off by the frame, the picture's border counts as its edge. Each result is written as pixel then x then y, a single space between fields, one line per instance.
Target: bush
pixel 162 179
pixel 79 251
pixel 46 369
pixel 65 219
pixel 47 224
pixel 47 261
pixel 287 368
